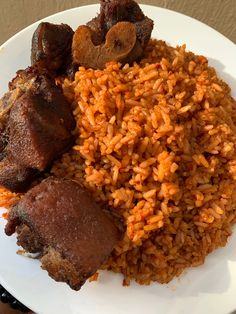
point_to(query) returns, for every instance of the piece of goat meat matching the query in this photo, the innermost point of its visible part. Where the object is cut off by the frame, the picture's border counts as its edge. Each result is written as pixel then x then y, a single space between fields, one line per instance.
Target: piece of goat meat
pixel 114 11
pixel 36 125
pixel 38 133
pixel 51 46
pixel 60 220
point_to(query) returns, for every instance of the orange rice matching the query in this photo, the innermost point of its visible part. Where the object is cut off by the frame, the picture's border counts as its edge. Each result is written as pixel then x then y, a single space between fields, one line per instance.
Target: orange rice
pixel 155 142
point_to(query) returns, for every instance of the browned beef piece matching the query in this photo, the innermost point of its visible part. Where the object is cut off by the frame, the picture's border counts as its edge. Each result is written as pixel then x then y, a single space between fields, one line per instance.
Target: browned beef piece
pixel 51 46
pixel 29 79
pixel 143 31
pixel 38 131
pixel 76 234
pixel 39 81
pixel 36 125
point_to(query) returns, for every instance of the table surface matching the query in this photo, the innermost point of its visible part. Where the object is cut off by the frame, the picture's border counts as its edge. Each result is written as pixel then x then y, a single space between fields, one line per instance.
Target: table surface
pixel 190 7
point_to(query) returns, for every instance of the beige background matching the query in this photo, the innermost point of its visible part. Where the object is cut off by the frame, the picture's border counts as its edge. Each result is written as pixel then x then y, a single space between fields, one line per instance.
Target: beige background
pixel 17 14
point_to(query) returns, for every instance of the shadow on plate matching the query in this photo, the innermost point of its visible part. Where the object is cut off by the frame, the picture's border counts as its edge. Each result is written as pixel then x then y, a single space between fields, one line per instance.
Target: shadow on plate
pixel 229 79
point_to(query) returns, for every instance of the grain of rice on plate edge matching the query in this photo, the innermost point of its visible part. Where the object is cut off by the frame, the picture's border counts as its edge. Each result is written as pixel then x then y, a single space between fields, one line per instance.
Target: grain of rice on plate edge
pixel 156 142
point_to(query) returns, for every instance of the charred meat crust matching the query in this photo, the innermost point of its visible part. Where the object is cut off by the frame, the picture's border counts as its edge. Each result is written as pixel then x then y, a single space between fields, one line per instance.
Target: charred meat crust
pixel 60 269
pixel 28 239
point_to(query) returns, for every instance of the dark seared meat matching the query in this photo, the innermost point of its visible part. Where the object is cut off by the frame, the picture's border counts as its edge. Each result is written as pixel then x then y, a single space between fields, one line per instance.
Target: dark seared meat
pixel 119 33
pixel 71 69
pixel 98 34
pixel 51 46
pixel 36 80
pixel 76 233
pixel 15 177
pixel 143 31
pixel 36 125
pixel 38 132
pixel 40 82
pixel 114 11
pixel 29 79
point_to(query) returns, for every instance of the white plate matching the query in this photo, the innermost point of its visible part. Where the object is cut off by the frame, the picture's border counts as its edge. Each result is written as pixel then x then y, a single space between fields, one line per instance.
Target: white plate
pixel 210 288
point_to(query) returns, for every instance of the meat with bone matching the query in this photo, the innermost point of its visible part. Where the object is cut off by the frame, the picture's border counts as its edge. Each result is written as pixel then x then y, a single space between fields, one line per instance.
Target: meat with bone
pixel 36 129
pixel 61 221
pixel 97 43
pixel 120 45
pixel 114 11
